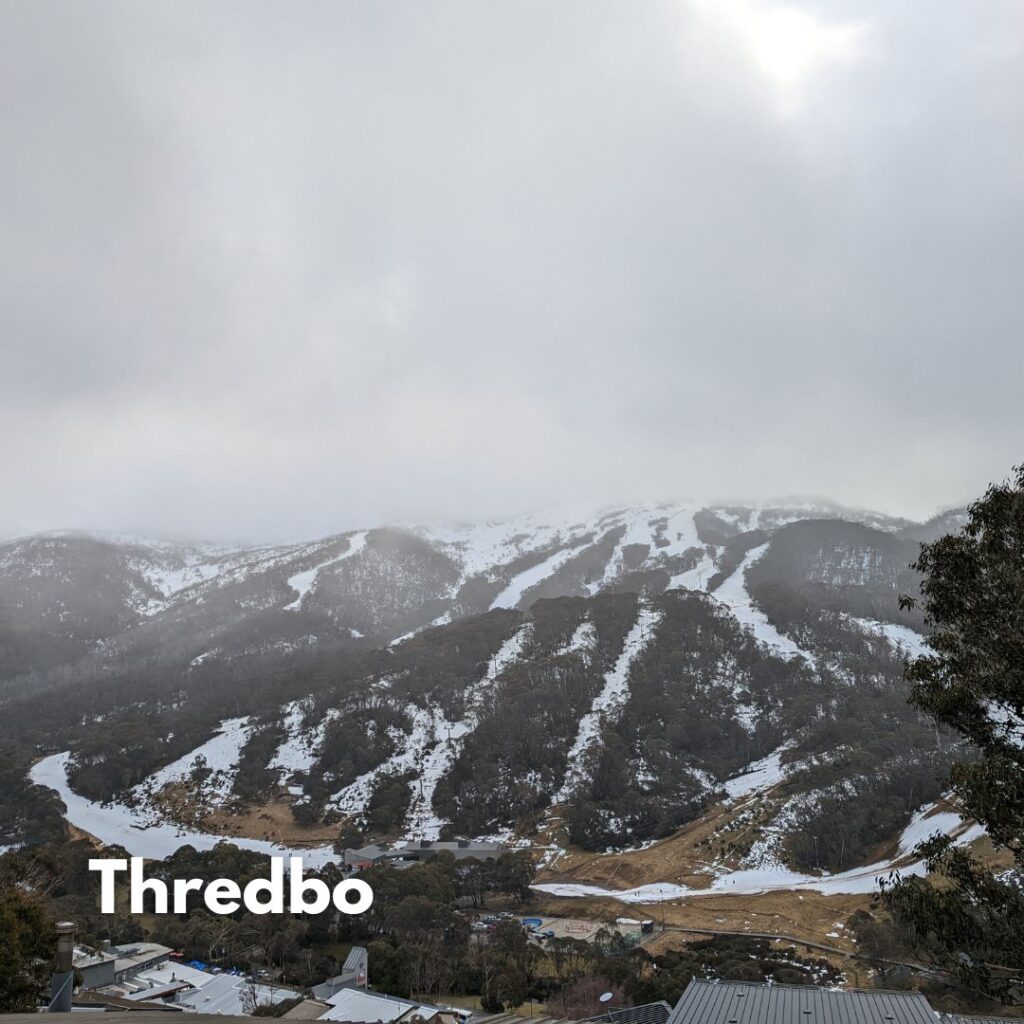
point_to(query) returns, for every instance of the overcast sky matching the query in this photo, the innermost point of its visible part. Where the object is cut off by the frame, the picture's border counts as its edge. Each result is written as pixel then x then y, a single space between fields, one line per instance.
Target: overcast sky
pixel 278 269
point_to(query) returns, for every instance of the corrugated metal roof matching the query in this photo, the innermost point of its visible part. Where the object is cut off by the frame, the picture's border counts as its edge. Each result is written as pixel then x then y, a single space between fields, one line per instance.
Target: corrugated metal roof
pixel 232 994
pixel 727 1002
pixel 353 1004
pixel 514 1018
pixel 356 958
pixel 648 1013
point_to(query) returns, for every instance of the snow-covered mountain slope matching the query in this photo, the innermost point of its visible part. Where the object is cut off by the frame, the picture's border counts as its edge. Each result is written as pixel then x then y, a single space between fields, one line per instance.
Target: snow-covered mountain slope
pixel 612 720
pixel 114 599
pixel 601 680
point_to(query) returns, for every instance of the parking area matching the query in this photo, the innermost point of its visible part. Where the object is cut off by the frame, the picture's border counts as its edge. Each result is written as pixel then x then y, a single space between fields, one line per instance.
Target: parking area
pixel 579 928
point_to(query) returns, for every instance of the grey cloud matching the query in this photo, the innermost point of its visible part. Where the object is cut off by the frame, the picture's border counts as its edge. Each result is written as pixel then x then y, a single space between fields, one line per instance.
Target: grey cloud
pixel 271 269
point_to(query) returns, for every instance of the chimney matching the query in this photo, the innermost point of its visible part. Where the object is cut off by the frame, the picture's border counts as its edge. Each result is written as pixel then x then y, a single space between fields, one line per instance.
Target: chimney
pixel 63 981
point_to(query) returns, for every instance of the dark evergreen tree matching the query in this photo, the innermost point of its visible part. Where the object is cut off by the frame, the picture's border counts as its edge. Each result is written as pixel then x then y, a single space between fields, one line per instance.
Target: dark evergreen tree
pixel 973 596
pixel 26 950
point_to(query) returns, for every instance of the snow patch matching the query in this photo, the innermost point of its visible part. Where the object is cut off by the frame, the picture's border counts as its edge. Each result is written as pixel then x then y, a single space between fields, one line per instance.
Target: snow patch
pixel 303 582
pixel 733 593
pixel 608 702
pixel 759 776
pixel 117 824
pixel 220 754
pixel 773 876
pixel 907 641
pixel 422 822
pixel 409 746
pixel 297 752
pixel 522 582
pixel 582 640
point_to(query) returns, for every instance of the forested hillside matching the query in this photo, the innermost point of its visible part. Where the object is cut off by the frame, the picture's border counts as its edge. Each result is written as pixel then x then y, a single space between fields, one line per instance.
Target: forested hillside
pixel 596 683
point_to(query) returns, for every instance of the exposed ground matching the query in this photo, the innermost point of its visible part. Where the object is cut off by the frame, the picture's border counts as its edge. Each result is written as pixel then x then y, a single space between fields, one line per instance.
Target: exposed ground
pixel 272 820
pixel 809 915
pixel 682 858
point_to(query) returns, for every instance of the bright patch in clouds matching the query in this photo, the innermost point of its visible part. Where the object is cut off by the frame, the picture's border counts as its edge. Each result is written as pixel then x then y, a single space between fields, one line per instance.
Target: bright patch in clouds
pixel 789 45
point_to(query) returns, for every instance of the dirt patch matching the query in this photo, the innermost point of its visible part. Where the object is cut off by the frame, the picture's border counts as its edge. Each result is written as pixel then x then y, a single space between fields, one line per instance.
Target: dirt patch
pixel 77 833
pixel 804 915
pixel 720 836
pixel 273 821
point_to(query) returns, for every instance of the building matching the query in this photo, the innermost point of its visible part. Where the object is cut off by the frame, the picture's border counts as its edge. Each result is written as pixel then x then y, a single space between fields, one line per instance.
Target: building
pixel 730 1002
pixel 647 1013
pixel 231 994
pixel 143 975
pixel 111 965
pixel 410 852
pixel 355 973
pixel 113 1016
pixel 308 1009
pixel 354 1006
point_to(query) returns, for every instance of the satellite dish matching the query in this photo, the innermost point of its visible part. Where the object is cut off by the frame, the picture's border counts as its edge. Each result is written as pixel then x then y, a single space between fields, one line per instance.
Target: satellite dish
pixel 606 997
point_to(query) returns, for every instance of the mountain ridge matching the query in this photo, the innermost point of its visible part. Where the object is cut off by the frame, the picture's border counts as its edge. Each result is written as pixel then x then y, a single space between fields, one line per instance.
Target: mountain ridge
pixel 361 681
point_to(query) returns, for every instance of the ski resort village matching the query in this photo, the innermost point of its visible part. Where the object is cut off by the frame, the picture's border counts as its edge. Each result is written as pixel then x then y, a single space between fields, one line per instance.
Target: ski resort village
pixel 651 765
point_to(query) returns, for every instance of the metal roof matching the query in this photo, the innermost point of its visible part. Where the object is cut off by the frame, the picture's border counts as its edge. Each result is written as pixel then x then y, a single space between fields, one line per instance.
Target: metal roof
pixel 308 1009
pixel 648 1013
pixel 353 1004
pixel 230 994
pixel 355 960
pixel 729 1002
pixel 115 1017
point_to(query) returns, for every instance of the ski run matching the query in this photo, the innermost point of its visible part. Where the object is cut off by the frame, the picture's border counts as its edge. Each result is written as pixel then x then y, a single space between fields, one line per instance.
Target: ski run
pixel 733 593
pixel 608 702
pixel 430 749
pixel 449 737
pixel 302 582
